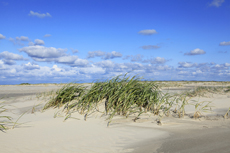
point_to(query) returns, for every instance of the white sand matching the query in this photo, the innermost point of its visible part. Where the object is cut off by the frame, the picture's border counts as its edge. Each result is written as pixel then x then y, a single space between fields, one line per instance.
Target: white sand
pixel 41 132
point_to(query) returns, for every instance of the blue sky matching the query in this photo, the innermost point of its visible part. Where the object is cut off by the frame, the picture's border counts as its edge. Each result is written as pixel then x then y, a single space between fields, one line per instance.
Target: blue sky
pixel 44 41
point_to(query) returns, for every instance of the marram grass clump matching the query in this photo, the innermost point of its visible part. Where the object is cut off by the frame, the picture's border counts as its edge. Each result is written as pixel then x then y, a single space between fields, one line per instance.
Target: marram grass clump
pixel 66 94
pixel 121 95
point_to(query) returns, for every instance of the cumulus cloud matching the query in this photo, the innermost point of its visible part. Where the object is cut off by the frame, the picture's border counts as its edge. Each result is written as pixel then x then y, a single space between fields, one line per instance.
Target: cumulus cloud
pixel 51 54
pixel 105 64
pixel 67 59
pixel 11 56
pixel 224 43
pixel 216 3
pixel 150 47
pixel 43 52
pixel 31 66
pixel 197 72
pixel 227 64
pixel 2 66
pixel 80 63
pixel 56 68
pixel 104 55
pixel 2 37
pixel 39 14
pixel 112 55
pixel 22 38
pixel 157 60
pixel 186 64
pixel 148 32
pixel 95 53
pixel 30 43
pixel 39 42
pixel 196 51
pixel 19 40
pixel 9 62
pixel 92 70
pixel 47 35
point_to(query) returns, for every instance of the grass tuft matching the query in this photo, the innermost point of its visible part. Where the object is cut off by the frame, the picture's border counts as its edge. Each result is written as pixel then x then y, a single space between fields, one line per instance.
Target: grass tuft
pixel 64 95
pixel 4 119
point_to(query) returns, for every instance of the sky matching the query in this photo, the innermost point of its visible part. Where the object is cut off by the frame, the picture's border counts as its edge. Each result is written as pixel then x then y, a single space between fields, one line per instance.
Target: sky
pixel 59 41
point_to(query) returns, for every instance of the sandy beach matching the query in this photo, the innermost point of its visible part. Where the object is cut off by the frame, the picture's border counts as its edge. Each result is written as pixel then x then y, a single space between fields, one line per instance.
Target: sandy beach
pixel 47 131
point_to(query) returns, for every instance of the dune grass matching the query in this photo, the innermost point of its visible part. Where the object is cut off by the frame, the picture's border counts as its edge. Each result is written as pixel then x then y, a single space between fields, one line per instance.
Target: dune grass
pixel 66 94
pixel 201 91
pixel 121 95
pixel 200 108
pixel 4 119
pixel 125 95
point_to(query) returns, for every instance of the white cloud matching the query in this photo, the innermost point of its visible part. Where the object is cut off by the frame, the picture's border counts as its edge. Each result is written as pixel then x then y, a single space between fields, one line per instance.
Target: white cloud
pixel 186 64
pixel 160 60
pixel 19 40
pixel 51 54
pixel 39 15
pixel 92 70
pixel 148 32
pixel 80 63
pixel 31 66
pixel 162 67
pixel 216 3
pixel 150 47
pixel 31 44
pixel 56 68
pixel 67 59
pixel 11 56
pixel 47 35
pixel 39 42
pixel 227 64
pixel 9 62
pixel 43 52
pixel 95 53
pixel 183 72
pixel 224 43
pixel 157 60
pixel 112 55
pixel 2 37
pixel 105 64
pixel 22 38
pixel 2 66
pixel 197 72
pixel 196 51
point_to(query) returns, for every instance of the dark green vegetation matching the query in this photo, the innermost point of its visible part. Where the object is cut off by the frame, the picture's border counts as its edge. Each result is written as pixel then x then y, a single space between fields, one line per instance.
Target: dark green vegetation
pixel 66 94
pixel 24 84
pixel 123 95
pixel 119 95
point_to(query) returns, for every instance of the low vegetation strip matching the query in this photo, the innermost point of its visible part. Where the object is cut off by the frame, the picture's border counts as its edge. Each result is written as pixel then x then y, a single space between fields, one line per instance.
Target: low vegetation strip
pixel 125 95
pixel 120 95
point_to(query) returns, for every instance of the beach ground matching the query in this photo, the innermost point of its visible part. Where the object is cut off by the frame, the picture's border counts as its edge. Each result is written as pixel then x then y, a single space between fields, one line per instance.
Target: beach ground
pixel 48 132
